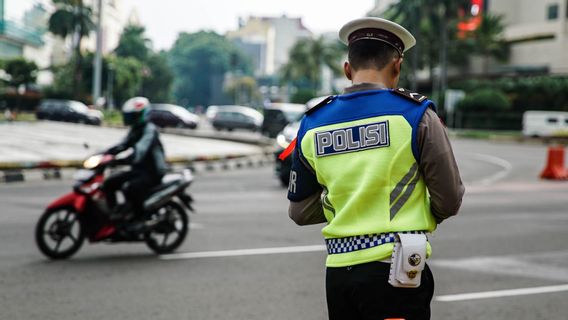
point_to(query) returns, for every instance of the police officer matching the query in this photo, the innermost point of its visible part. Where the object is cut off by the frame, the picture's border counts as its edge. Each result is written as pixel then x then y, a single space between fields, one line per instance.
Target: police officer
pixel 147 160
pixel 376 165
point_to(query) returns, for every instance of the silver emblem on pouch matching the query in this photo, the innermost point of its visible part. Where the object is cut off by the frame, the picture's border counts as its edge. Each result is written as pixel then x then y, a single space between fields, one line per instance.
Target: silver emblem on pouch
pixel 351 139
pixel 414 259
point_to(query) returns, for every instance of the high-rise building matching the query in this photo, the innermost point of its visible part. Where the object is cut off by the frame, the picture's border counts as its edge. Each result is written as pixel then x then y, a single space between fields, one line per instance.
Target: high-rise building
pixel 268 40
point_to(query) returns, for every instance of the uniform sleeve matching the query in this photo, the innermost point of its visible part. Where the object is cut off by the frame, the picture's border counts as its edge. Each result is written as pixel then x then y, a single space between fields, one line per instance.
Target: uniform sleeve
pixel 303 181
pixel 439 168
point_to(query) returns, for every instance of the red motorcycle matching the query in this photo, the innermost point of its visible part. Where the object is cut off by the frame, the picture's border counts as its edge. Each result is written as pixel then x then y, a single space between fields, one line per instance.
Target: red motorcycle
pixel 83 213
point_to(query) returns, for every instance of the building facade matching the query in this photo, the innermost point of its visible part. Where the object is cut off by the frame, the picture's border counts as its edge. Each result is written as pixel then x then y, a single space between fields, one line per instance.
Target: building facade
pixel 537 32
pixel 268 40
pixel 23 33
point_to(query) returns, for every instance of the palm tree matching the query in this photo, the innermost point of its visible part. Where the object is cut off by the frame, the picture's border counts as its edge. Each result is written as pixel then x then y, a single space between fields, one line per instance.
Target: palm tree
pixel 72 18
pixel 307 59
pixel 488 40
pixel 431 21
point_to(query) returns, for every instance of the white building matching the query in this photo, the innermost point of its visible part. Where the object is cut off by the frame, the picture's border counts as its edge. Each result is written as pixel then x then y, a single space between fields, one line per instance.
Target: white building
pixel 114 19
pixel 538 33
pixel 268 40
pixel 24 33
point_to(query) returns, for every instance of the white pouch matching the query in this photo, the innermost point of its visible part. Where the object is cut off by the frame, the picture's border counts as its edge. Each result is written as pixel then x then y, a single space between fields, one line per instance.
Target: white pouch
pixel 408 260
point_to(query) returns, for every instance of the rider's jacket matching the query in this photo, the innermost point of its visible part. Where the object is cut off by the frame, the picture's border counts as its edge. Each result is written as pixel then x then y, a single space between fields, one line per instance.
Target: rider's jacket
pixel 148 155
pixel 361 148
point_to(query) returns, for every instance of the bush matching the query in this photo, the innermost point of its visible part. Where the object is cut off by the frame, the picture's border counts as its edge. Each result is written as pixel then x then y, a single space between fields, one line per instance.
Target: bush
pixel 526 93
pixel 484 100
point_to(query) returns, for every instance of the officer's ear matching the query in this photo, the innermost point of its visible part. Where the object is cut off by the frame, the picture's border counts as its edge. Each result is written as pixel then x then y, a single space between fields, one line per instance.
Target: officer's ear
pixel 347 70
pixel 398 66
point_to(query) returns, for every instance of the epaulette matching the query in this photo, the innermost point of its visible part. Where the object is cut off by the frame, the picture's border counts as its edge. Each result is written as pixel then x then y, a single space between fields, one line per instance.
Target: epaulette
pixel 321 104
pixel 414 96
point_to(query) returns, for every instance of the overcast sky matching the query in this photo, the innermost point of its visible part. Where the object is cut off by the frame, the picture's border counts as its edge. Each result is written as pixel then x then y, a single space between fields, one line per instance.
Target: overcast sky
pixel 164 19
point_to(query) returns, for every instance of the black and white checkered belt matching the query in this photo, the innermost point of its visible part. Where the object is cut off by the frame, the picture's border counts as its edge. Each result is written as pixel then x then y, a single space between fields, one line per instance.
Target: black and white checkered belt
pixel 355 243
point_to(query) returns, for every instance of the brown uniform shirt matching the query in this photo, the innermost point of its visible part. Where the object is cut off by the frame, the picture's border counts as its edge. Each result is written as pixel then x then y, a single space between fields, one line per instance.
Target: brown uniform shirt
pixel 437 165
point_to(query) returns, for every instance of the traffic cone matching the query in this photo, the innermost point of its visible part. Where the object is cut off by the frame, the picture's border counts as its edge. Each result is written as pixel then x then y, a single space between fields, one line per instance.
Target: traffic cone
pixel 554 169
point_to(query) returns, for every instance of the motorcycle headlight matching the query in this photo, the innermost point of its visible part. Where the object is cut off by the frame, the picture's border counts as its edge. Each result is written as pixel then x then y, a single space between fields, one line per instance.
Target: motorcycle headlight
pixel 92 162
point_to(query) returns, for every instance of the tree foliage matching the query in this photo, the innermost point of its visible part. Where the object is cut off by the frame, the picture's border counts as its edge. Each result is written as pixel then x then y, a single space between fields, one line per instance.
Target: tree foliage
pixel 126 76
pixel 485 100
pixel 133 43
pixel 243 90
pixel 307 59
pixel 72 18
pixel 157 76
pixel 434 24
pixel 21 71
pixel 199 61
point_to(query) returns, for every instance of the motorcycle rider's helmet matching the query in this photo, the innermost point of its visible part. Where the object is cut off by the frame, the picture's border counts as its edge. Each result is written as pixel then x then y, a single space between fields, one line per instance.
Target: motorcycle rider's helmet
pixel 134 111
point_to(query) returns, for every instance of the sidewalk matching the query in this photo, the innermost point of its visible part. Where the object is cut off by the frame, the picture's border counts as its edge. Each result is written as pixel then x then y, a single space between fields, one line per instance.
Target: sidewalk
pixel 43 145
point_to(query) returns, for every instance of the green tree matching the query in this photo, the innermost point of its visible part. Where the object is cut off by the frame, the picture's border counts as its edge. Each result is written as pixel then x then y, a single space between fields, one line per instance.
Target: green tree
pixel 243 90
pixel 488 40
pixel 72 18
pixel 157 78
pixel 200 61
pixel 133 43
pixel 127 78
pixel 21 71
pixel 433 23
pixel 307 59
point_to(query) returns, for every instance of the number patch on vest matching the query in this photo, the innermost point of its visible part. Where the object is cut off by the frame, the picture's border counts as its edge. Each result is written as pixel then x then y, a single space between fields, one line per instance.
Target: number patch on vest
pixel 358 138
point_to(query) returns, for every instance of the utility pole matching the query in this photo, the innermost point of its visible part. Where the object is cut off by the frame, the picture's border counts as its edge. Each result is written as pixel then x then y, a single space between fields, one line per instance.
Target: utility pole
pixel 97 74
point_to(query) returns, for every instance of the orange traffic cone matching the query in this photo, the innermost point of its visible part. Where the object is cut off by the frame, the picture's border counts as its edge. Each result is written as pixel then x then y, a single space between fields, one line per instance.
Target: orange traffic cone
pixel 555 164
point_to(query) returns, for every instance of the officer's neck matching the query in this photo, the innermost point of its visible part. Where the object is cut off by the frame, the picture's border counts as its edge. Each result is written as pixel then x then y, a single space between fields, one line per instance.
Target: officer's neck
pixel 381 78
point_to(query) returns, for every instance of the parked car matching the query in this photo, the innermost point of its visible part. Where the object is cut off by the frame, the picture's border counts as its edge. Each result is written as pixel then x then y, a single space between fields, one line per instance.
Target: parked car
pixel 278 115
pixel 169 115
pixel 545 123
pixel 237 117
pixel 284 138
pixel 68 111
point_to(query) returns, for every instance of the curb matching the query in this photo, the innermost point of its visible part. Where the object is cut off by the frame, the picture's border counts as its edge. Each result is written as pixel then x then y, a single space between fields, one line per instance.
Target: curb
pixel 59 169
pixel 198 165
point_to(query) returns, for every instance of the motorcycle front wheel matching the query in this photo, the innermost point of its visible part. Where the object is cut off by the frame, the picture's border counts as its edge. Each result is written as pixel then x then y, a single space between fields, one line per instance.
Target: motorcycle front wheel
pixel 172 226
pixel 58 233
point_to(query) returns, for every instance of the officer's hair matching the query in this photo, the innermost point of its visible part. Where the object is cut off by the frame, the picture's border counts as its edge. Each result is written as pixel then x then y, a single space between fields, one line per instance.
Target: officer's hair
pixel 371 54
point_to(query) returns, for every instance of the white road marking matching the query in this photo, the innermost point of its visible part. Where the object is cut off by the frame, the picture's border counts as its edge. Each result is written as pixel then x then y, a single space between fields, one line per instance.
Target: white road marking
pixel 501 293
pixel 542 265
pixel 242 252
pixel 504 164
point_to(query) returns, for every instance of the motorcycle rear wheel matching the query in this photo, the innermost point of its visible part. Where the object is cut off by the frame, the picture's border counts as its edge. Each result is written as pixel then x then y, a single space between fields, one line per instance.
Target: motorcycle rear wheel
pixel 174 221
pixel 59 233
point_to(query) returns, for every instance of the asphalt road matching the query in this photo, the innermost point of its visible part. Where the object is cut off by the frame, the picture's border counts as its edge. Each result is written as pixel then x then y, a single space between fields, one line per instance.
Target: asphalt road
pixel 511 234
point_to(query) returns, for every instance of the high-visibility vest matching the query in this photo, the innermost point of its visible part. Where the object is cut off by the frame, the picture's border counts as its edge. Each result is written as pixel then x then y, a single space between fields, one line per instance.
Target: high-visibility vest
pixel 363 149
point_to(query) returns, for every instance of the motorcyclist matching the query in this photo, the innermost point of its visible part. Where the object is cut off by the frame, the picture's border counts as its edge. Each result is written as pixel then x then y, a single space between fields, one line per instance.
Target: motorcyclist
pixel 147 160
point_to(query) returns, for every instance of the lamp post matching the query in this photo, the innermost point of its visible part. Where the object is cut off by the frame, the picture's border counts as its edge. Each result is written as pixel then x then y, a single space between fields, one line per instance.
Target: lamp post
pixel 97 75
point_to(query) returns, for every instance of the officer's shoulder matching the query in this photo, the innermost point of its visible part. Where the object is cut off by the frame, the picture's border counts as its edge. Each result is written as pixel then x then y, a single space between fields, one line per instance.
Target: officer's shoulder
pixel 319 105
pixel 410 95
